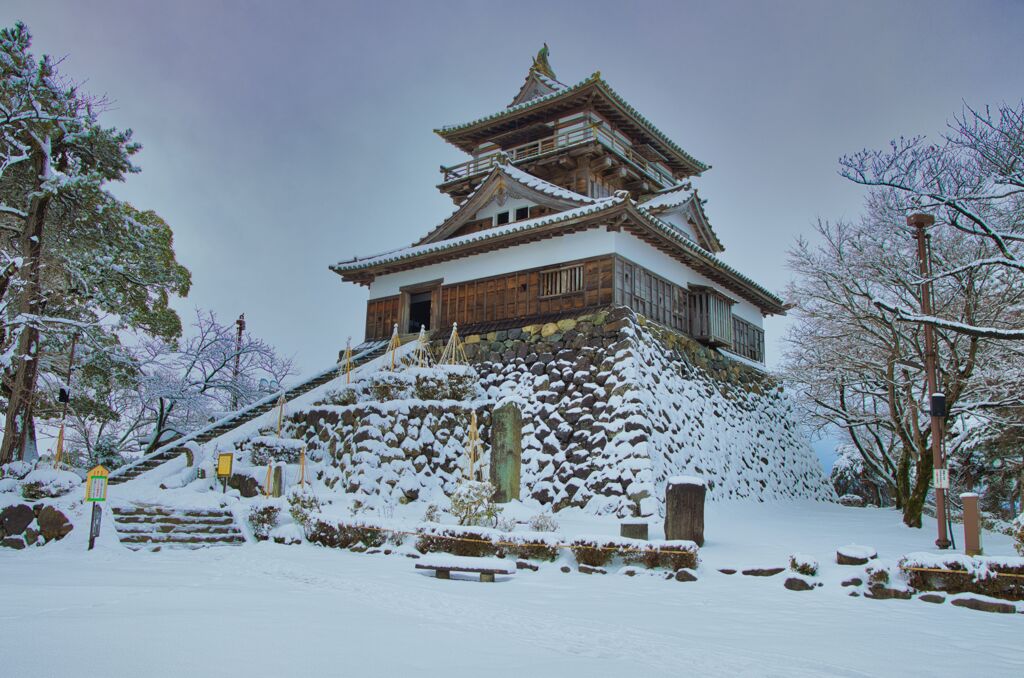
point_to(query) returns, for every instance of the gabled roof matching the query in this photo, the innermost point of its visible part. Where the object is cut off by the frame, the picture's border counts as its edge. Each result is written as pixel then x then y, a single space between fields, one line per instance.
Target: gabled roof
pixel 618 211
pixel 507 180
pixel 681 198
pixel 467 135
pixel 536 85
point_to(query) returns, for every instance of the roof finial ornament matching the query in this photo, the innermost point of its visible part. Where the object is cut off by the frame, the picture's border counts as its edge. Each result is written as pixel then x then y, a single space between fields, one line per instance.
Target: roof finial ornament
pixel 541 65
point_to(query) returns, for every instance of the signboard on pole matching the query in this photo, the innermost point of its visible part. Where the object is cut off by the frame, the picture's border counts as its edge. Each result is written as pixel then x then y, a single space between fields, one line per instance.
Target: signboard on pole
pixel 940 478
pixel 225 460
pixel 96 484
pixel 94 524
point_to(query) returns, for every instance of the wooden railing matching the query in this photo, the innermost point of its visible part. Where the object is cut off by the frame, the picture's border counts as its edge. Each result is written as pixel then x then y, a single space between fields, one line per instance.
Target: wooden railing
pixel 540 147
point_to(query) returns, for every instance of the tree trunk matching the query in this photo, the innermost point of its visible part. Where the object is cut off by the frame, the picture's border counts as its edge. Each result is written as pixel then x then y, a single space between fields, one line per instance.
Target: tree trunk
pixel 26 360
pixel 915 502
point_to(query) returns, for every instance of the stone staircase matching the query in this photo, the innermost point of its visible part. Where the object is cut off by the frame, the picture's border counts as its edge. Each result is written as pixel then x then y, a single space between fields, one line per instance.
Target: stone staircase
pixel 154 527
pixel 363 354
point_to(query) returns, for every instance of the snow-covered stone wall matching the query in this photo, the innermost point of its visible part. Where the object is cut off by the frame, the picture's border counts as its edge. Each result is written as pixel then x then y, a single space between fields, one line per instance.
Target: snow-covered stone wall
pixel 612 407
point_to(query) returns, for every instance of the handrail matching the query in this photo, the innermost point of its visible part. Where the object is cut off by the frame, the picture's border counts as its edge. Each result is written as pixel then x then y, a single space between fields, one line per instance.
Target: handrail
pixel 562 140
pixel 238 414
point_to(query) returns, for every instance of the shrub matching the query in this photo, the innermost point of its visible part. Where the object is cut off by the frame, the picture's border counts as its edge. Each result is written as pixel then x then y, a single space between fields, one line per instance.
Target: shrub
pixel 457 542
pixel 385 386
pixel 803 564
pixel 590 552
pixel 15 469
pixel 266 449
pixel 1018 534
pixel 432 514
pixel 534 548
pixel 669 554
pixel 543 522
pixel 47 483
pixel 302 506
pixel 263 520
pixel 878 574
pixel 472 504
pixel 966 574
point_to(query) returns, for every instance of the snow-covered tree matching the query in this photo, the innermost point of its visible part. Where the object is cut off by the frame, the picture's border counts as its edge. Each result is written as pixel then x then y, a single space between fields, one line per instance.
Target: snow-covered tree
pixel 73 259
pixel 858 367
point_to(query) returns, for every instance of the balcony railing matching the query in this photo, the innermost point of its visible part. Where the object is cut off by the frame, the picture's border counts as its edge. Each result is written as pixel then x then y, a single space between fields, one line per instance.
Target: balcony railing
pixel 564 140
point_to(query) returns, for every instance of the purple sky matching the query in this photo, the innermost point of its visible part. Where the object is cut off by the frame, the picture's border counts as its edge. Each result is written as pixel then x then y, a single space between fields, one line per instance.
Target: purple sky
pixel 281 137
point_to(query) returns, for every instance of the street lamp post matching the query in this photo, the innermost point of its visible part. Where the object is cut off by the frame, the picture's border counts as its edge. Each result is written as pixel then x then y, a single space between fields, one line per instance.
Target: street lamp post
pixel 238 354
pixel 937 401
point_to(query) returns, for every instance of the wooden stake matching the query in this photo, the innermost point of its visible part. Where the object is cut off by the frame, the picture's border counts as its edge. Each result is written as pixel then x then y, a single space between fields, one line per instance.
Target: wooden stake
pixel 59 454
pixel 348 361
pixel 270 472
pixel 302 469
pixel 280 414
pixel 473 445
pixel 421 356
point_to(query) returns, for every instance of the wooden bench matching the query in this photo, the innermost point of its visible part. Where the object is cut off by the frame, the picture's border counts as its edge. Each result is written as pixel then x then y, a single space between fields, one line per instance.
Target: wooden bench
pixel 444 565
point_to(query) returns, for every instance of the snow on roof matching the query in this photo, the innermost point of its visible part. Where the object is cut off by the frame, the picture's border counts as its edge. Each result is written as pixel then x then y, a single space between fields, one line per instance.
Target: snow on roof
pixel 595 78
pixel 674 196
pixel 525 225
pixel 539 184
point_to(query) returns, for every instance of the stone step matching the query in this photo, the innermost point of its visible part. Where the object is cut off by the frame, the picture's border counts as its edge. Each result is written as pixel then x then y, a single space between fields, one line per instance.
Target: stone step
pixel 158 513
pixel 182 539
pixel 166 528
pixel 171 520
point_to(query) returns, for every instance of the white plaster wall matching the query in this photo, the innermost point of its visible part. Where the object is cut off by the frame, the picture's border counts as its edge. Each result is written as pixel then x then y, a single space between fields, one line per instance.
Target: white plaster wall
pixel 590 243
pixel 678 219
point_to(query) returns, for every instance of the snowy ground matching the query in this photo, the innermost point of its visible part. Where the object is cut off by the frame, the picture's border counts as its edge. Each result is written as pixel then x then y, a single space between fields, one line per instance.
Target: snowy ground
pixel 269 610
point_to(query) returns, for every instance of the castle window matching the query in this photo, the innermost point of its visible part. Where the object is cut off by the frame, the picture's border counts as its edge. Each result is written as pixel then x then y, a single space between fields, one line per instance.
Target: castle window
pixel 502 218
pixel 522 213
pixel 556 282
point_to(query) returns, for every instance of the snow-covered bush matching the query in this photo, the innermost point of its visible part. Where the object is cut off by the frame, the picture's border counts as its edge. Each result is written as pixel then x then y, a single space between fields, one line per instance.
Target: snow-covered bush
pixel 534 548
pixel 16 469
pixel 263 520
pixel 44 483
pixel 459 542
pixel 673 555
pixel 592 552
pixel 342 396
pixel 473 504
pixel 432 514
pixel 803 564
pixel 266 449
pixel 543 522
pixel 302 506
pixel 287 534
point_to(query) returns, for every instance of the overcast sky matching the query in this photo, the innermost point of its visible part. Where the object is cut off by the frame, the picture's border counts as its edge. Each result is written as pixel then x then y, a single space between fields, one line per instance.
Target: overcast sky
pixel 280 137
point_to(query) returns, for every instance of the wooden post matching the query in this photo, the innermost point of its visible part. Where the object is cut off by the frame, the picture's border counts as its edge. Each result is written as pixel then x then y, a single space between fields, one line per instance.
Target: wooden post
pixel 972 524
pixel 280 414
pixel 506 451
pixel 684 509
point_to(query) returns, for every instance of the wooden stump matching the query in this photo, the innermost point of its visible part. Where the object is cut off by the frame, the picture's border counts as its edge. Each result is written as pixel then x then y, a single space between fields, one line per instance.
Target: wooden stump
pixel 684 509
pixel 506 451
pixel 634 530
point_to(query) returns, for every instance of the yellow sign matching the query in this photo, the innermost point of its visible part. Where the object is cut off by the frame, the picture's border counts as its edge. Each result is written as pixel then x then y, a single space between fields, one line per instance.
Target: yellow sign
pixel 96 486
pixel 224 463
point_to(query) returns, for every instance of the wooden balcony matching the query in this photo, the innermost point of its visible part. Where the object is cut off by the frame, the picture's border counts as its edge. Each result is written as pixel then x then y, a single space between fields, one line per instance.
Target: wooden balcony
pixel 558 142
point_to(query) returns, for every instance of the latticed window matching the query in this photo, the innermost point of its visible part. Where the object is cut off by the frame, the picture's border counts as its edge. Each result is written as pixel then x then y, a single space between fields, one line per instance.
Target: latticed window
pixel 748 340
pixel 558 281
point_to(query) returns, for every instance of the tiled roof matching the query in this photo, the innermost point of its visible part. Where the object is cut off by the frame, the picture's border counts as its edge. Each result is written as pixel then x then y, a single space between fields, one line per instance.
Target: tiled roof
pixel 593 79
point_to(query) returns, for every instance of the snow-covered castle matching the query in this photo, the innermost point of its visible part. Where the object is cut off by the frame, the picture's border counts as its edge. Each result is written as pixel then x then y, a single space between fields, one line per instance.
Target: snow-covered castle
pixel 571 201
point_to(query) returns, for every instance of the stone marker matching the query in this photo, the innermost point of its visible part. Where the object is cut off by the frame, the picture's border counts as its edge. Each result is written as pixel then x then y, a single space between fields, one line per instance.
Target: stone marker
pixel 684 509
pixel 276 483
pixel 634 529
pixel 506 451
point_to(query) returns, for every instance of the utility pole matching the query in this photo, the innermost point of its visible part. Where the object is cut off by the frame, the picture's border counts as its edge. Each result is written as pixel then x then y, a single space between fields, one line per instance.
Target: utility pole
pixel 937 400
pixel 238 355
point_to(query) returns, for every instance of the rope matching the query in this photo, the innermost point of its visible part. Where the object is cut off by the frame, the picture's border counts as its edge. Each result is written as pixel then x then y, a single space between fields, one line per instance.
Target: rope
pixel 965 572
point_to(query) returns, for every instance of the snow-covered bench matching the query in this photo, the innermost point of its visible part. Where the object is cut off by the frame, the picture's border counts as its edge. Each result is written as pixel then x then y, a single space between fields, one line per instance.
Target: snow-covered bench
pixel 443 565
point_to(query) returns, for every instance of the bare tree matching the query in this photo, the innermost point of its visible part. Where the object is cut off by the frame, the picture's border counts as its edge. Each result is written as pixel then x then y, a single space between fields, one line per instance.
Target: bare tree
pixel 972 180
